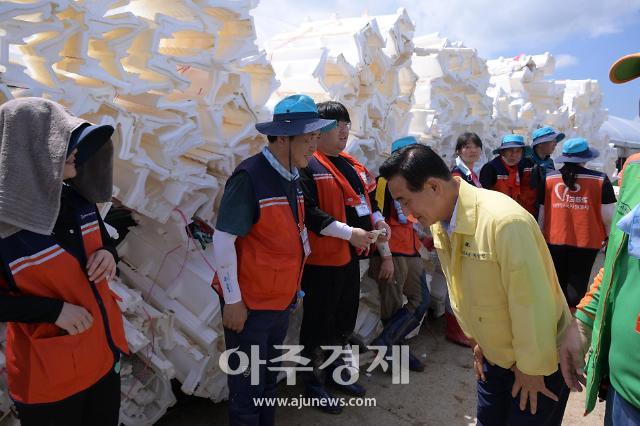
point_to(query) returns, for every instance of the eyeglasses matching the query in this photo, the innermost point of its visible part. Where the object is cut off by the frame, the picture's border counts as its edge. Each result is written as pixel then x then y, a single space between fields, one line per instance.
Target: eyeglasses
pixel 343 125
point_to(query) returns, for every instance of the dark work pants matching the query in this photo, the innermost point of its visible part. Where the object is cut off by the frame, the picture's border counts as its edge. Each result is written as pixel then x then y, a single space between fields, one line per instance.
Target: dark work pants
pixel 97 405
pixel 496 407
pixel 263 329
pixel 573 267
pixel 332 296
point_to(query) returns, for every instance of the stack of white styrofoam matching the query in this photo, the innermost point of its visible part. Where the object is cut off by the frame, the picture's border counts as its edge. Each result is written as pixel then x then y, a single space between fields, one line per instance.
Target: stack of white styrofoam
pixel 523 100
pixel 450 96
pixel 364 63
pixel 183 83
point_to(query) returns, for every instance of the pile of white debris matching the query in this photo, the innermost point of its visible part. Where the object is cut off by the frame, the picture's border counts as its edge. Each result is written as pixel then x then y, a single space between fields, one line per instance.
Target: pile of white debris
pixel 183 82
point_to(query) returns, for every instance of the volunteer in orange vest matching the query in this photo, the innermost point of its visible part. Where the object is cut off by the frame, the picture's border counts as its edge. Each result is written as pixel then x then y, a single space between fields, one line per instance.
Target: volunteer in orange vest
pixel 510 173
pixel 576 208
pixel 341 212
pixel 260 246
pixel 468 151
pixel 400 271
pixel 64 332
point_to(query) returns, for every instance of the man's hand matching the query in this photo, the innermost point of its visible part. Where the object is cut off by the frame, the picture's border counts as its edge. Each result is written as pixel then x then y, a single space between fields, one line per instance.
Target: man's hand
pixel 101 265
pixel 529 387
pixel 478 362
pixel 383 238
pixel 361 239
pixel 234 316
pixel 572 352
pixel 74 319
pixel 386 269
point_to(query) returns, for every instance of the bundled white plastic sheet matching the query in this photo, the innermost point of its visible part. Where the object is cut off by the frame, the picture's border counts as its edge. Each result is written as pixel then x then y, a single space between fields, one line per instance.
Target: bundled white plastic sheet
pixel 183 83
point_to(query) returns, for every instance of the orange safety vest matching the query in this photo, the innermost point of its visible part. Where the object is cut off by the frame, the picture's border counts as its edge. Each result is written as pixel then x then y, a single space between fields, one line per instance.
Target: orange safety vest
pixel 528 195
pixel 404 238
pixel 573 217
pixel 44 364
pixel 271 257
pixel 330 251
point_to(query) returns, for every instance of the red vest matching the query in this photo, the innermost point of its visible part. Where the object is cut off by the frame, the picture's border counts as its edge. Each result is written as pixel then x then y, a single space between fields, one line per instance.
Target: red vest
pixel 330 251
pixel 571 217
pixel 404 238
pixel 527 196
pixel 44 364
pixel 271 257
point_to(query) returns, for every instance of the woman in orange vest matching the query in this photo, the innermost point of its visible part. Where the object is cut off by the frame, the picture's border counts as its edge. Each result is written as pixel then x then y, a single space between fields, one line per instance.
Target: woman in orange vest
pixel 468 150
pixel 65 332
pixel 510 173
pixel 576 207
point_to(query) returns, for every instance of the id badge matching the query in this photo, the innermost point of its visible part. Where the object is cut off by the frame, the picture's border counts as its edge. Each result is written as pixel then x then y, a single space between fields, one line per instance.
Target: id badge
pixel 363 208
pixel 304 236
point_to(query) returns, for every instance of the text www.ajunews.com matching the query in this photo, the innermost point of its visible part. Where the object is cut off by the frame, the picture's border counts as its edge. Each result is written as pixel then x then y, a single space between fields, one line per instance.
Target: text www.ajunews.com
pixel 301 402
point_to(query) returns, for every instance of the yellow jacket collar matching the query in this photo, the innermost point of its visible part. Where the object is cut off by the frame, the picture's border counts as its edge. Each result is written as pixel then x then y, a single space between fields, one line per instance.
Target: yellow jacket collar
pixel 467 208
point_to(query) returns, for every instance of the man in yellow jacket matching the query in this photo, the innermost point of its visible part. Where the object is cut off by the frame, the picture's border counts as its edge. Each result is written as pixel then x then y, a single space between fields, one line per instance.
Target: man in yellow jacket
pixel 502 284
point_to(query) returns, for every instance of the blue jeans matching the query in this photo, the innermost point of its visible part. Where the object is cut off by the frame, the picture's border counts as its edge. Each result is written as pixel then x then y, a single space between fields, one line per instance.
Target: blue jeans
pixel 619 412
pixel 264 329
pixel 497 407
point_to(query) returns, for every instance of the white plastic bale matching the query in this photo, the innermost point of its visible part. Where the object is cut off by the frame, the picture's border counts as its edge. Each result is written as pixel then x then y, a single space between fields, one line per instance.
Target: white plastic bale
pixel 363 63
pixel 450 93
pixel 524 99
pixel 183 83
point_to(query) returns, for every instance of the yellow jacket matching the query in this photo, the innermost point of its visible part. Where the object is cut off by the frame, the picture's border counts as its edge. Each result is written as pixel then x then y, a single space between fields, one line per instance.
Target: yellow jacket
pixel 502 282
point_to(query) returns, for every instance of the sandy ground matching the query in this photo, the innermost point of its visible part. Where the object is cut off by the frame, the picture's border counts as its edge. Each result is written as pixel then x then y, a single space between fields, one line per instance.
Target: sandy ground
pixel 444 394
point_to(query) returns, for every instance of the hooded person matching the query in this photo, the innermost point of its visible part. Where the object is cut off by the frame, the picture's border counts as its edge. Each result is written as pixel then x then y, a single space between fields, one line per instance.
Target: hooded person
pixel 64 326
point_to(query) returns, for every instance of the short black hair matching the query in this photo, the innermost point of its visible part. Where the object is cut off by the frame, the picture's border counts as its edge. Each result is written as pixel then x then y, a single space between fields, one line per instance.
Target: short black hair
pixel 415 163
pixel 467 137
pixel 332 110
pixel 272 138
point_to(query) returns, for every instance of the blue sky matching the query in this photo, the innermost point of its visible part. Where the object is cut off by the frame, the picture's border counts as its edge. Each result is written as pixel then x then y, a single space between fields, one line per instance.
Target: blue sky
pixel 585 36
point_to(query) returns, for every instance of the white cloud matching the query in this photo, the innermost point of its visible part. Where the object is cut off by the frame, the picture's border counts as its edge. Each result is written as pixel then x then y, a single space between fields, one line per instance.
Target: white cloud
pixel 490 26
pixel 565 61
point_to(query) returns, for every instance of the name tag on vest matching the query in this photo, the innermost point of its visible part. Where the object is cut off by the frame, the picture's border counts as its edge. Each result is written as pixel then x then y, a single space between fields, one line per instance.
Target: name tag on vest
pixel 363 208
pixel 304 236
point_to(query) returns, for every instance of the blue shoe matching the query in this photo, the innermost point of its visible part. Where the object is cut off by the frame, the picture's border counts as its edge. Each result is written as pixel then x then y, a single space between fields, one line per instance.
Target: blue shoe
pixel 415 364
pixel 318 391
pixel 354 389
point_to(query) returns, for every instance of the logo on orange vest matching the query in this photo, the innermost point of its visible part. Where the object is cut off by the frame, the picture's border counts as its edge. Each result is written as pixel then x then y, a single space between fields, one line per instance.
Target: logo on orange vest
pixel 564 194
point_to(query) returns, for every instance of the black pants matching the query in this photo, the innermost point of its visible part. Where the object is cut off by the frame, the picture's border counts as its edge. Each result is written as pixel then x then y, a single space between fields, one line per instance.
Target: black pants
pixel 98 405
pixel 264 330
pixel 496 406
pixel 573 267
pixel 331 299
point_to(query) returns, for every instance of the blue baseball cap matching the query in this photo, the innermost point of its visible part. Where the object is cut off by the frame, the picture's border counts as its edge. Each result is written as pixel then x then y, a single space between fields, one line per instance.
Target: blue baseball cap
pixel 545 134
pixel 402 142
pixel 294 115
pixel 88 139
pixel 510 141
pixel 577 150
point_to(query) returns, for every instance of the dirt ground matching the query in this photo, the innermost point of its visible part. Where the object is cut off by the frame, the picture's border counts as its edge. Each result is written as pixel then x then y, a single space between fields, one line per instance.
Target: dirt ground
pixel 444 394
